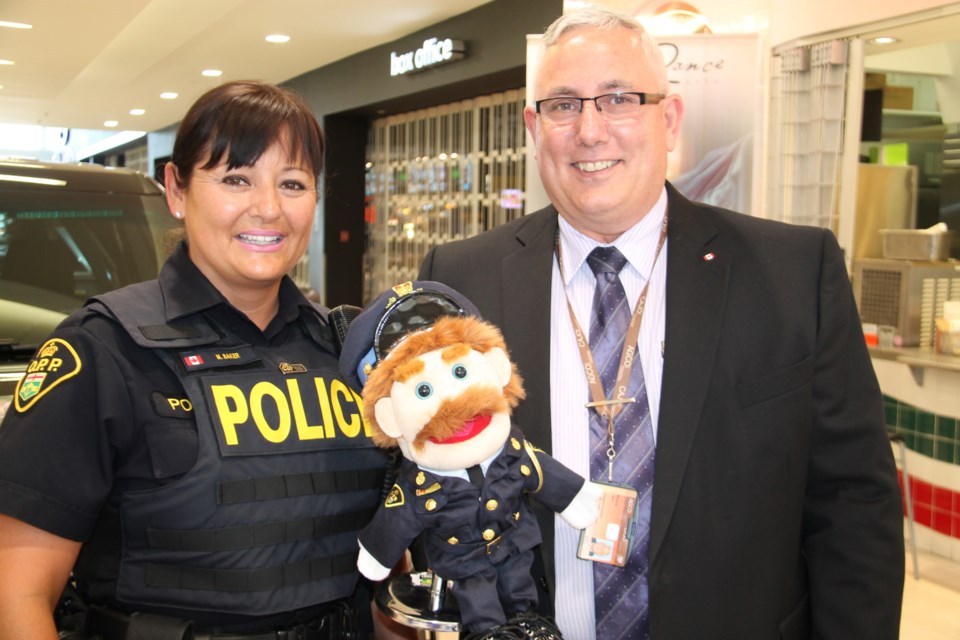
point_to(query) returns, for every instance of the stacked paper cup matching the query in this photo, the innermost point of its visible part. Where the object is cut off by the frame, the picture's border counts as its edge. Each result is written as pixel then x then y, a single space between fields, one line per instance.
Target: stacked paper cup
pixel 948 328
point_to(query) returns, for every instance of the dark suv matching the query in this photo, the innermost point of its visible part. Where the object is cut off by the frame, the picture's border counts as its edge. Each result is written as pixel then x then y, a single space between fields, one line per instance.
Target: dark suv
pixel 68 232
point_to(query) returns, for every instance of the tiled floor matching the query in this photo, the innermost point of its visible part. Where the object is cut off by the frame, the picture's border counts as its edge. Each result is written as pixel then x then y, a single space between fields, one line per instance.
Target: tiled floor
pixel 931 604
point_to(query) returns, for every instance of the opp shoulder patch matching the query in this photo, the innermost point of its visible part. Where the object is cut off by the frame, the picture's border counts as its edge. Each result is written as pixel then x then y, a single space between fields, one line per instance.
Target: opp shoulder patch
pixel 55 362
pixel 395 497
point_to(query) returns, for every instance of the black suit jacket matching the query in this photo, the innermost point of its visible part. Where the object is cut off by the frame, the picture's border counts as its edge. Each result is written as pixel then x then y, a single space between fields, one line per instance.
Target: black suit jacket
pixel 776 506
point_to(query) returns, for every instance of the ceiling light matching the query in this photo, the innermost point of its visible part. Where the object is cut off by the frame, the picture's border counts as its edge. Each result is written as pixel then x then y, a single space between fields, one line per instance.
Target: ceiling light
pixel 211 73
pixel 278 38
pixel 110 123
pixel 15 25
pixel 169 95
pixel 883 40
pixel 6 61
pixel 137 112
pixel 678 18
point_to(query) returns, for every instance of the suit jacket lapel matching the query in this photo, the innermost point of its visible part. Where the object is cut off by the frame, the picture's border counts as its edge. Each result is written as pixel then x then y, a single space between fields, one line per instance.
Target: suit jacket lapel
pixel 526 276
pixel 696 293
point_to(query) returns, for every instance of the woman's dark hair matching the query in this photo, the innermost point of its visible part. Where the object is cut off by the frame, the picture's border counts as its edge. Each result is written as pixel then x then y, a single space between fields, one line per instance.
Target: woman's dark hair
pixel 241 120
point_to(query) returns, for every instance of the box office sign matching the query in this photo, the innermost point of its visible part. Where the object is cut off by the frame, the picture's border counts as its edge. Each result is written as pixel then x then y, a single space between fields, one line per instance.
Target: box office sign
pixel 434 52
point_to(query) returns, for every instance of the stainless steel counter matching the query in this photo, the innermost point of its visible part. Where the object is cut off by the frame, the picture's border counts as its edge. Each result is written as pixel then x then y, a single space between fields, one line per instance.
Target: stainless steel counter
pixel 917 359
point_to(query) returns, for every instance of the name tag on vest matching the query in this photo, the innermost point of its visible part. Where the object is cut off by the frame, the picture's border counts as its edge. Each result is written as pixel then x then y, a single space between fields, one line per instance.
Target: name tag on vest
pixel 200 359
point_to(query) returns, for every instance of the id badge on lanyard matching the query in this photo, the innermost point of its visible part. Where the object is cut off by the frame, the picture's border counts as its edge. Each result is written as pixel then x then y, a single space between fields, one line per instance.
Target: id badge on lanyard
pixel 610 539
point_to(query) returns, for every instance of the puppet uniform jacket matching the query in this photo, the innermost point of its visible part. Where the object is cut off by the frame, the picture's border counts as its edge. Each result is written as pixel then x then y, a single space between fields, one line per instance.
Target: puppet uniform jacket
pixel 468 529
pixel 776 507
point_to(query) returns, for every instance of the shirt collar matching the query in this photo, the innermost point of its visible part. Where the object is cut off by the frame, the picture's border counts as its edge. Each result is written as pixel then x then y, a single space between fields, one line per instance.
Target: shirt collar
pixel 638 243
pixel 187 291
pixel 462 473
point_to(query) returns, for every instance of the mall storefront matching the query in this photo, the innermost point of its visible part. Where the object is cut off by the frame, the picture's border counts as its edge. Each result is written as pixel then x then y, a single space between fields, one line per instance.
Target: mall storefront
pixel 426 144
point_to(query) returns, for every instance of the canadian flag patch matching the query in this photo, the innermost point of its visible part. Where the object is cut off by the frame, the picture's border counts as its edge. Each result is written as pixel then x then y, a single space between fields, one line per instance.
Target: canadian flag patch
pixel 193 360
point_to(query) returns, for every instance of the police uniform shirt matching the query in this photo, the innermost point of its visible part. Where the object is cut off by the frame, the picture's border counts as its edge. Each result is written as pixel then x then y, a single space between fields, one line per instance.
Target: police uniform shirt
pixel 111 417
pixel 114 417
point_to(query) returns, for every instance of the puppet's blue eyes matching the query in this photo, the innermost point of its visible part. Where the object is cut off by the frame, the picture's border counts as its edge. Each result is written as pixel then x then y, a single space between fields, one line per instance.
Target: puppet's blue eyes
pixel 424 390
pixel 459 371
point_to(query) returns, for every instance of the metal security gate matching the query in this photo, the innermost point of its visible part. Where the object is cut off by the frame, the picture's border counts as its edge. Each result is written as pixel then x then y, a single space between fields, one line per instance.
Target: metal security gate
pixel 436 175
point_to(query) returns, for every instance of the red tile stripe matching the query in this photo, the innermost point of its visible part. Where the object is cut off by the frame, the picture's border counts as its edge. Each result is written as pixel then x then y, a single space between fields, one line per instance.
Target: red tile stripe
pixel 935 507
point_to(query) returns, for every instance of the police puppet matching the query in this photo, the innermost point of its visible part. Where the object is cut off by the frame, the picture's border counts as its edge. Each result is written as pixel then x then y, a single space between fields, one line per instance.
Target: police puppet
pixel 439 384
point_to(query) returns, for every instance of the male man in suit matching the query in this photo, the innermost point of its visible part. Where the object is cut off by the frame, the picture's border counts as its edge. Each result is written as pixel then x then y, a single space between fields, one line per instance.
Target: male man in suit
pixel 776 511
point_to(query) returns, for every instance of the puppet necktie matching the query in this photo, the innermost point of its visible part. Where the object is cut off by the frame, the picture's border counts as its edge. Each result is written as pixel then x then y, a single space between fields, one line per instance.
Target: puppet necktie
pixel 475 473
pixel 621 593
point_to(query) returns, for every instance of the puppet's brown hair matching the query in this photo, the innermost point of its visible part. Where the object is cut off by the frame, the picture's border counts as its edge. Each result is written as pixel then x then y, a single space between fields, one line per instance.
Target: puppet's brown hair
pixel 446 332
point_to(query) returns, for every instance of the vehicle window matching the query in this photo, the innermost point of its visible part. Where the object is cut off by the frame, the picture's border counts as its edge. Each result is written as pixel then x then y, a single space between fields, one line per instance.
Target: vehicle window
pixel 57 250
pixel 59 247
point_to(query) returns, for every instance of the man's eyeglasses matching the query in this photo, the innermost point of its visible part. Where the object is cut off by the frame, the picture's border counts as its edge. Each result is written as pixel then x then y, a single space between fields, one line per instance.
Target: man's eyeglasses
pixel 613 106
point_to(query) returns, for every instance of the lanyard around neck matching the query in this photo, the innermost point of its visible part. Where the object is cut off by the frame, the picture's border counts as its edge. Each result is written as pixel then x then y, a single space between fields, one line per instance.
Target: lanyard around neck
pixel 609 408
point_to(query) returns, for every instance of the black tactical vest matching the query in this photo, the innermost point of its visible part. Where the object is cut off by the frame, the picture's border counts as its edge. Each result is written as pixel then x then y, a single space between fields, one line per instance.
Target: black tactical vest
pixel 286 475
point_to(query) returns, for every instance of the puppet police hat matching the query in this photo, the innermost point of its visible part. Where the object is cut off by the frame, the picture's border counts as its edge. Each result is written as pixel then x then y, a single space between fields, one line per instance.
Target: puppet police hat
pixel 400 310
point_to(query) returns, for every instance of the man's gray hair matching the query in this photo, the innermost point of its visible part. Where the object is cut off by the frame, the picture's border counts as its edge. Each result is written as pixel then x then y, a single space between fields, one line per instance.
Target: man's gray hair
pixel 595 17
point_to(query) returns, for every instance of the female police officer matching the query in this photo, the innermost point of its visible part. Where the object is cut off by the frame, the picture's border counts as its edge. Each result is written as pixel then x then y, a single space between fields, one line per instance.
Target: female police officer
pixel 185 446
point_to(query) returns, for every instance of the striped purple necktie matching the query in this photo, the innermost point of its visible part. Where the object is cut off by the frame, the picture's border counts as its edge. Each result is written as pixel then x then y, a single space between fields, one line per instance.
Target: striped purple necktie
pixel 621 593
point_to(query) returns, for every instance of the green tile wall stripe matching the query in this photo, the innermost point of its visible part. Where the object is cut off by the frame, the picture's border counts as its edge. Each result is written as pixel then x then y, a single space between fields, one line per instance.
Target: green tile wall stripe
pixel 926 433
pixel 936 437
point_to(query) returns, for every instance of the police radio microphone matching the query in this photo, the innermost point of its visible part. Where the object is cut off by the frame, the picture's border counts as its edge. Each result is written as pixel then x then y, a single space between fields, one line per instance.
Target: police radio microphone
pixel 340 318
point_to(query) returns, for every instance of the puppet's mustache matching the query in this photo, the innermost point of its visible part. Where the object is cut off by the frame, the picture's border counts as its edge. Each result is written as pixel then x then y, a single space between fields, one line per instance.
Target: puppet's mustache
pixel 454 412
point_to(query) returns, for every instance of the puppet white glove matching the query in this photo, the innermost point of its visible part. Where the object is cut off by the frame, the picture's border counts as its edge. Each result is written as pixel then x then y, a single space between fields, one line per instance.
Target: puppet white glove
pixel 585 506
pixel 369 567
